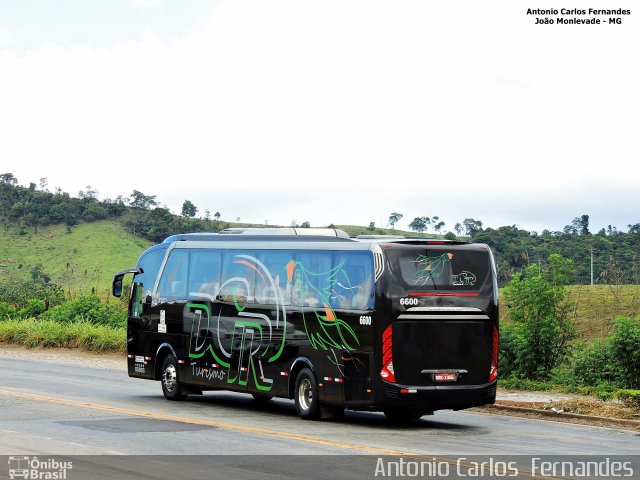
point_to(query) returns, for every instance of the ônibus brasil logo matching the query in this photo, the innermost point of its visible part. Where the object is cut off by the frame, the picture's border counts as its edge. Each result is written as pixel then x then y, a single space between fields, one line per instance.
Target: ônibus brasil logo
pixel 38 469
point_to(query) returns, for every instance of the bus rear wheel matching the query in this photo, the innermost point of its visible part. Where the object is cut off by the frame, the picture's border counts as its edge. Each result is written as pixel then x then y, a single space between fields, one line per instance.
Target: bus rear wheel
pixel 306 395
pixel 169 379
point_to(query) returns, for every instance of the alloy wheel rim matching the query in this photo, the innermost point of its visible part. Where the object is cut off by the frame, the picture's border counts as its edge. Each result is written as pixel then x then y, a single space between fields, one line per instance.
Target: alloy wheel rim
pixel 169 378
pixel 305 394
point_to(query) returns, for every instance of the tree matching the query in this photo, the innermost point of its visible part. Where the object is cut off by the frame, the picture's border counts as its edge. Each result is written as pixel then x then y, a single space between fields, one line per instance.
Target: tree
pixel 584 225
pixel 8 179
pixel 216 216
pixel 539 338
pixel 89 194
pixel 394 218
pixel 458 228
pixel 579 226
pixel 189 209
pixel 418 224
pixel 140 200
pixel 437 226
pixel 372 226
pixel 305 224
pixel 472 226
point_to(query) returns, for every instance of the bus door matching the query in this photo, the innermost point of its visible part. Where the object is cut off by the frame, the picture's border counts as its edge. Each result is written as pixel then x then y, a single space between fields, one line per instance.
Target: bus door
pixel 165 314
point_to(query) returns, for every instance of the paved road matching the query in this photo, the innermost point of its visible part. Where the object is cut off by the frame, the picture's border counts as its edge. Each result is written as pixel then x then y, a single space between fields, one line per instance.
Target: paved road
pixel 56 409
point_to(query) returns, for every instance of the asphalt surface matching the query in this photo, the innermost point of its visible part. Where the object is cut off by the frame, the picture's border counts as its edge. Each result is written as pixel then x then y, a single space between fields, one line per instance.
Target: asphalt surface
pixel 58 409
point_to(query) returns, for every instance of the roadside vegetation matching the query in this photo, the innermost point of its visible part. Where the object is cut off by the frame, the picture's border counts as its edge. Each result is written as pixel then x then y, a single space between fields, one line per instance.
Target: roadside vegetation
pixel 35 314
pixel 540 348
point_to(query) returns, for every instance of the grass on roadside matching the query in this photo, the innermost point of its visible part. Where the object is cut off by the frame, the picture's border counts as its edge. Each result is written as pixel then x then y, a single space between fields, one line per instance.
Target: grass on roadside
pixel 47 333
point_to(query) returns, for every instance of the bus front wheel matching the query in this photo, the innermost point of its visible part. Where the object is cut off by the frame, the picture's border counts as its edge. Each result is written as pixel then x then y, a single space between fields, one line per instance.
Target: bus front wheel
pixel 170 384
pixel 306 395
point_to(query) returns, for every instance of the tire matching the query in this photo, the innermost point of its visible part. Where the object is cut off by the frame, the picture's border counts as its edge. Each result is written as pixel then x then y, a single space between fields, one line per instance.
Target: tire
pixel 404 416
pixel 306 395
pixel 261 397
pixel 169 379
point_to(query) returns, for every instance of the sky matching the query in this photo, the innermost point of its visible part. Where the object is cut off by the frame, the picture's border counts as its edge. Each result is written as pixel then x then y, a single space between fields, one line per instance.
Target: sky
pixel 327 111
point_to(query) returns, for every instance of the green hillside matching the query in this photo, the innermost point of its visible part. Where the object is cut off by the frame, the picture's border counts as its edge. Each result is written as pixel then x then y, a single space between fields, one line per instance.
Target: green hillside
pixel 81 259
pixel 596 306
pixel 86 256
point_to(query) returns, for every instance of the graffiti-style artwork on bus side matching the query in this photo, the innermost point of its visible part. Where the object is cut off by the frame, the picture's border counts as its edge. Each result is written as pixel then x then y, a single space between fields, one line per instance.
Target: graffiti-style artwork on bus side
pixel 257 339
pixel 252 334
pixel 319 292
pixel 430 268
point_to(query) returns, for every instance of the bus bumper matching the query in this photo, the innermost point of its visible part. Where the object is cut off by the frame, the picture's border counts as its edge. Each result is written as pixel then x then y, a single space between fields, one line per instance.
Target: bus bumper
pixel 438 397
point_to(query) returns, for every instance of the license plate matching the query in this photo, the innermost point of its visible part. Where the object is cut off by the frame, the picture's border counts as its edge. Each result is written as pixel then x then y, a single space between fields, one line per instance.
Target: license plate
pixel 445 377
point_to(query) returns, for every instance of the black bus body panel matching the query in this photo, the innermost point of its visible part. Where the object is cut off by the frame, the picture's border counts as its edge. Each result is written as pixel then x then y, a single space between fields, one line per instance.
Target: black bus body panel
pixel 435 327
pixel 222 345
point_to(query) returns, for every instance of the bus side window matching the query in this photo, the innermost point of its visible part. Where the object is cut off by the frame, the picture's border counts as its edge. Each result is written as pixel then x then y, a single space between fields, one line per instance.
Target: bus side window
pixel 204 273
pixel 238 276
pixel 312 280
pixel 354 281
pixel 173 283
pixel 276 262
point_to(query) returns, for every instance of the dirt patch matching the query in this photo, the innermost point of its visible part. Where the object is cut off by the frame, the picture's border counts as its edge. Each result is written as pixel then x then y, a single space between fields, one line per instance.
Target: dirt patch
pixel 109 361
pixel 580 406
pixel 576 409
pixel 594 421
pixel 599 408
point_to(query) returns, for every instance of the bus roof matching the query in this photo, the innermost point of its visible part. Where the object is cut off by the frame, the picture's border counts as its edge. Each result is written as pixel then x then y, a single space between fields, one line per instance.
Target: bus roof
pixel 252 233
pixel 410 240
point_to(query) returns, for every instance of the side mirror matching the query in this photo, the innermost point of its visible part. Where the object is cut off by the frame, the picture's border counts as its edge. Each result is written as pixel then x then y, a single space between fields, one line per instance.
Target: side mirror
pixel 116 288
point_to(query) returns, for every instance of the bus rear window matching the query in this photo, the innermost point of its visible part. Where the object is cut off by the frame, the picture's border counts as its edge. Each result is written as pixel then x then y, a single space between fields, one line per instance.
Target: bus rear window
pixel 440 268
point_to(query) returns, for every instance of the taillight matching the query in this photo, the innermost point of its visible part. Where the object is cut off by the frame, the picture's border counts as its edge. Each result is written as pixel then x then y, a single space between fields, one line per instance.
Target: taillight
pixel 387 372
pixel 493 374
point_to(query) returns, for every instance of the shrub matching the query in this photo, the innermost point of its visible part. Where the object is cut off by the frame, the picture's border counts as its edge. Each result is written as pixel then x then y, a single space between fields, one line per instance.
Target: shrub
pixel 507 353
pixel 625 346
pixel 596 364
pixel 630 398
pixel 87 308
pixel 7 311
pixel 614 360
pixel 33 308
pixel 19 292
pixel 540 339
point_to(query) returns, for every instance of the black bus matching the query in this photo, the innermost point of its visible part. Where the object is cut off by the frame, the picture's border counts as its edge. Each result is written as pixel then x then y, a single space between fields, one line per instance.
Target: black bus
pixel 403 326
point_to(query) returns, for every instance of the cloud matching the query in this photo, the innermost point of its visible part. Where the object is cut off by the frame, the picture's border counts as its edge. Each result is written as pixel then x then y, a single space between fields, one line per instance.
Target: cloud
pixel 337 113
pixel 6 37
